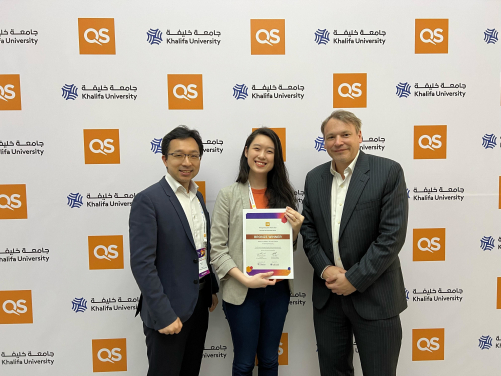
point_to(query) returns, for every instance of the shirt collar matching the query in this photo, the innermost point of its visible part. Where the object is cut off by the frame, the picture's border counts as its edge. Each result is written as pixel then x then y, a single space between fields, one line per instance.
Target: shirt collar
pixel 349 169
pixel 175 185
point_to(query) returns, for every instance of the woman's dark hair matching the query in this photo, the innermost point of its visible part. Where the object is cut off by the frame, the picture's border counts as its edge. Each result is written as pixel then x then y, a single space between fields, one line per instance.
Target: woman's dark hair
pixel 181 132
pixel 279 191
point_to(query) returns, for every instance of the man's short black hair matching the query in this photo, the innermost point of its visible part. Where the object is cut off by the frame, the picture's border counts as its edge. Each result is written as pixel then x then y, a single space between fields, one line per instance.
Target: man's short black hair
pixel 181 132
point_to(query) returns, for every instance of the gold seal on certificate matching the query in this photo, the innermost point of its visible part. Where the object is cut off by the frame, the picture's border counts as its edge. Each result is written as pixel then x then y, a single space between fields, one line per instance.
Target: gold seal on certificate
pixel 268 243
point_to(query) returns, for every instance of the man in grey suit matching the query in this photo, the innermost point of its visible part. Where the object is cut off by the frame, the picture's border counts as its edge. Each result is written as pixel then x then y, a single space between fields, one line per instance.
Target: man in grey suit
pixel 355 211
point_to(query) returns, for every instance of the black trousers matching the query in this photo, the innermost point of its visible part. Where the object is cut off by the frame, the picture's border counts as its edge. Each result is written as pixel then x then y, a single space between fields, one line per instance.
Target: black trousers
pixel 378 341
pixel 179 354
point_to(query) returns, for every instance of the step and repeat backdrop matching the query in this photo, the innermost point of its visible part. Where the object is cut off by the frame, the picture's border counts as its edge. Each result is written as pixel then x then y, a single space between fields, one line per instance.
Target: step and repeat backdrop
pixel 88 90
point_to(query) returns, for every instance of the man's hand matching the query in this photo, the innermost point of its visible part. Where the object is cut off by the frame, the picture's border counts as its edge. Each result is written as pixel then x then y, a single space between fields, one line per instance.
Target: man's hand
pixel 214 303
pixel 173 328
pixel 340 285
pixel 331 273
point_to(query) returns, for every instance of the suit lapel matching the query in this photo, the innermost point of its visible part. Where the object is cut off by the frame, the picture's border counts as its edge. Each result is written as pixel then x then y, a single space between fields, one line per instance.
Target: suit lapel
pixel 324 194
pixel 244 195
pixel 179 209
pixel 357 185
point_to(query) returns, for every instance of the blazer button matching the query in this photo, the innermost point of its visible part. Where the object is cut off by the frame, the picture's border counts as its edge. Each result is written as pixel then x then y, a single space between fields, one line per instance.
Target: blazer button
pixel 195 261
pixel 195 281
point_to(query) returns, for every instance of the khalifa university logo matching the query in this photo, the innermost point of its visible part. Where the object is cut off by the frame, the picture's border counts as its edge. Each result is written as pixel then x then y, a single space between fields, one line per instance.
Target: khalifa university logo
pixel 320 144
pixel 154 36
pixel 406 294
pixel 489 141
pixel 79 305
pixel 403 90
pixel 70 92
pixel 490 36
pixel 75 200
pixel 240 91
pixel 156 145
pixel 322 36
pixel 485 342
pixel 487 243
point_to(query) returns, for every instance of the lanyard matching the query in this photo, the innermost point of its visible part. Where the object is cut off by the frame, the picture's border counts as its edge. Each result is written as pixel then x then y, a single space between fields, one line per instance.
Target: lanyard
pixel 251 198
pixel 204 220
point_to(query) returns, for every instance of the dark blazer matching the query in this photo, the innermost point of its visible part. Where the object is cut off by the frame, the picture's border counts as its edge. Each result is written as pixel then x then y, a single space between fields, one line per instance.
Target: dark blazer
pixel 372 232
pixel 163 257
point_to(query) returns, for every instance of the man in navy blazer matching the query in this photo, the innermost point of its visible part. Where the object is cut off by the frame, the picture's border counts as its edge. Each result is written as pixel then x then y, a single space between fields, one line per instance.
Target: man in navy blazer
pixel 169 234
pixel 355 211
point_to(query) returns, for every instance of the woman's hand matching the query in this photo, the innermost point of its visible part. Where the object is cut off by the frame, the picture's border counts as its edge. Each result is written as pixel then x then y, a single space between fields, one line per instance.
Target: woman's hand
pixel 295 219
pixel 260 280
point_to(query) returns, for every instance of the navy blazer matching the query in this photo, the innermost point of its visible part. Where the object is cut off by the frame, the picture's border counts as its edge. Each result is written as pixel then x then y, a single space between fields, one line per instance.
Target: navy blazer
pixel 372 232
pixel 163 257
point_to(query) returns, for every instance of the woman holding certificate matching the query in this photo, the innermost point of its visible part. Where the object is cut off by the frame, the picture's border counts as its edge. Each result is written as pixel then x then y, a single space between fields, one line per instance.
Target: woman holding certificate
pixel 255 302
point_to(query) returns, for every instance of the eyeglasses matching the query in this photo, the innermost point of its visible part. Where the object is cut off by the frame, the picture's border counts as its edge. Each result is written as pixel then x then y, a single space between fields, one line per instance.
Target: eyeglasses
pixel 179 156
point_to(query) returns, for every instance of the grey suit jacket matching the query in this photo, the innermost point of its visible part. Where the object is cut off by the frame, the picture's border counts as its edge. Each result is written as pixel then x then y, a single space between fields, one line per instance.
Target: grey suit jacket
pixel 227 240
pixel 372 232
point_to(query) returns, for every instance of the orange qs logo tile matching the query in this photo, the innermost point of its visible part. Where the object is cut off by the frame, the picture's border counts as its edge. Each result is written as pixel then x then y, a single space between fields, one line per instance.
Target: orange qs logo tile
pixel 185 92
pixel 10 92
pixel 109 355
pixel 428 244
pixel 430 142
pixel 432 36
pixel 102 146
pixel 13 203
pixel 106 252
pixel 350 90
pixel 428 344
pixel 96 36
pixel 16 307
pixel 267 37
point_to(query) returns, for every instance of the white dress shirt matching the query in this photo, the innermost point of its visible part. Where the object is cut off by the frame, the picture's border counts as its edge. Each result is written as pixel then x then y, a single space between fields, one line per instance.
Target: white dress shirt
pixel 338 197
pixel 192 208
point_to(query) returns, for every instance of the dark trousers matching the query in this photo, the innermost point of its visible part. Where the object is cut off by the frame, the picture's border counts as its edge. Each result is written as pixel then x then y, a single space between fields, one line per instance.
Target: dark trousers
pixel 256 328
pixel 378 341
pixel 179 354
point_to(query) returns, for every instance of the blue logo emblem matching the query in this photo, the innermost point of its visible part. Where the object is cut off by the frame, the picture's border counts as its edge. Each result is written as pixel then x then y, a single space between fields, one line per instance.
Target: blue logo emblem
pixel 319 144
pixel 240 91
pixel 406 294
pixel 322 36
pixel 408 193
pixel 403 89
pixel 154 36
pixel 490 36
pixel 156 145
pixel 79 305
pixel 485 342
pixel 489 141
pixel 75 200
pixel 70 92
pixel 487 243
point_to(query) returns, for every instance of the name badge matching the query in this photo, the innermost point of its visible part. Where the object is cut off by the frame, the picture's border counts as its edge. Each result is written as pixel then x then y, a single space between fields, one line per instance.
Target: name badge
pixel 203 269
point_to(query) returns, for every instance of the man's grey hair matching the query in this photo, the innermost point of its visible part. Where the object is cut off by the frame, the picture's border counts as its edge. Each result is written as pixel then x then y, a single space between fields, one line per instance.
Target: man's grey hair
pixel 345 117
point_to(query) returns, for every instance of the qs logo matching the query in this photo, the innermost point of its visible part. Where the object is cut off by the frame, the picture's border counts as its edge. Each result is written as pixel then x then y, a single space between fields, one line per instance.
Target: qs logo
pixel 267 37
pixel 350 90
pixel 16 307
pixel 185 92
pixel 201 188
pixel 13 203
pixel 96 36
pixel 281 133
pixel 428 244
pixel 109 355
pixel 106 252
pixel 430 142
pixel 432 36
pixel 10 92
pixel 102 146
pixel 428 344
